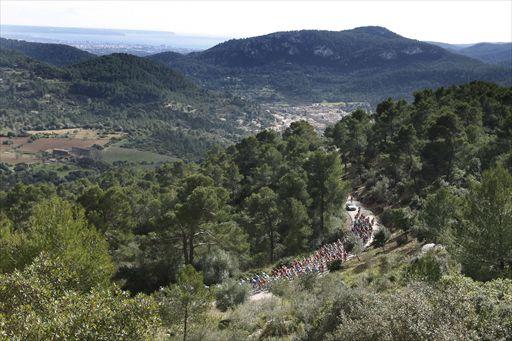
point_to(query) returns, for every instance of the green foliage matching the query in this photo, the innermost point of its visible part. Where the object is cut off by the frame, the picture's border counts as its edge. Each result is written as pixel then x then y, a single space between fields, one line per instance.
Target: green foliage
pixel 381 237
pixel 482 240
pixel 218 265
pixel 263 211
pixel 40 303
pixel 158 108
pixel 400 218
pixel 335 265
pixel 296 226
pixel 432 265
pixel 186 301
pixel 203 218
pixel 458 309
pixel 230 294
pixel 353 244
pixel 59 229
pixel 437 215
pixel 272 317
pixel 311 65
pixel 444 138
pixel 54 54
pixel 327 190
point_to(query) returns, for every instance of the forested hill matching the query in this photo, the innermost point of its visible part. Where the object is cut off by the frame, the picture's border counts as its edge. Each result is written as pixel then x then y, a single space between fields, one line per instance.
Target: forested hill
pixel 55 54
pixel 124 78
pixel 493 53
pixel 140 253
pixel 349 50
pixel 363 64
pixel 160 109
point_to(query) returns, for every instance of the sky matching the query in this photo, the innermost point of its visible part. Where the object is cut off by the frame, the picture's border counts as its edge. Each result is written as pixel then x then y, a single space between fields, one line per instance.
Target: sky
pixel 445 21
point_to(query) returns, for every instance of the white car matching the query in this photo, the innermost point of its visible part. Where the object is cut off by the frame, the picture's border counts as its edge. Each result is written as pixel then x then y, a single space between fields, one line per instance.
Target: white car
pixel 350 207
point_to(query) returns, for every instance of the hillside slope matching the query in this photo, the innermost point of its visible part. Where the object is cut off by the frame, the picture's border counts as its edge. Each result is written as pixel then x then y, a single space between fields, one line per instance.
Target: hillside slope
pixel 160 109
pixel 55 54
pixel 363 64
pixel 492 53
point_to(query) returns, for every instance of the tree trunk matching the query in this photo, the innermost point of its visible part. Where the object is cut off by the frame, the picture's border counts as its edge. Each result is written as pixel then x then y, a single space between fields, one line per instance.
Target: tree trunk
pixel 191 249
pixel 271 235
pixel 185 249
pixel 185 318
pixel 322 213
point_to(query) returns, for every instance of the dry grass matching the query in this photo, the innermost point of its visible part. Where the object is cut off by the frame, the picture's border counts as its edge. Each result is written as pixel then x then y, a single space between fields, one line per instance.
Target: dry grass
pixel 22 149
pixel 49 143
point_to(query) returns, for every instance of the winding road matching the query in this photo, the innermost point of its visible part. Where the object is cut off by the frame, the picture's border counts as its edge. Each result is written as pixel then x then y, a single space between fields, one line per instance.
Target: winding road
pixel 262 294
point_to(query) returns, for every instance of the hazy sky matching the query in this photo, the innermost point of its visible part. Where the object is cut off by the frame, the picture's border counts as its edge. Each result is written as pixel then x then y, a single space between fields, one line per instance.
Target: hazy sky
pixel 446 21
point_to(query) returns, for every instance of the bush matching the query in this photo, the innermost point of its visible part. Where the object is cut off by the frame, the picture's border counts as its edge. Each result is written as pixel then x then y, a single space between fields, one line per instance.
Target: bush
pixel 335 265
pixel 387 217
pixel 402 239
pixel 218 266
pixel 400 218
pixel 432 265
pixel 62 231
pixel 455 309
pixel 381 237
pixel 380 191
pixel 307 281
pixel 272 316
pixel 285 261
pixel 37 304
pixel 230 294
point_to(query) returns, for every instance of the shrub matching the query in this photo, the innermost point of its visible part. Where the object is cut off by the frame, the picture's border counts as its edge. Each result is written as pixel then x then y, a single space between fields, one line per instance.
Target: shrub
pixel 285 261
pixel 230 294
pixel 402 239
pixel 307 281
pixel 62 231
pixel 272 316
pixel 381 190
pixel 353 244
pixel 335 265
pixel 38 304
pixel 432 265
pixel 456 308
pixel 387 217
pixel 400 218
pixel 381 237
pixel 218 266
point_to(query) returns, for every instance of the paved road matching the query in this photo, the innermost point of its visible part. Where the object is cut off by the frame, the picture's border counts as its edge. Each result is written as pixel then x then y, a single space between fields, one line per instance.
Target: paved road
pixel 262 294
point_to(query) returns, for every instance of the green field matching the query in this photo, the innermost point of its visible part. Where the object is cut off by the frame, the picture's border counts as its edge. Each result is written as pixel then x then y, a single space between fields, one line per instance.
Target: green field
pixel 116 153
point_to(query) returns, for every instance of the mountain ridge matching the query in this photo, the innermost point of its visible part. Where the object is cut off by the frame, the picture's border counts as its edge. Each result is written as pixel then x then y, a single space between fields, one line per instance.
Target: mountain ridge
pixel 54 54
pixel 159 109
pixel 362 64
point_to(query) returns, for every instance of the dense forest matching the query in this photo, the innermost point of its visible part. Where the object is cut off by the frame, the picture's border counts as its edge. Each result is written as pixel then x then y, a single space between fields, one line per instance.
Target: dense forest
pixel 141 253
pixel 54 54
pixel 365 64
pixel 157 107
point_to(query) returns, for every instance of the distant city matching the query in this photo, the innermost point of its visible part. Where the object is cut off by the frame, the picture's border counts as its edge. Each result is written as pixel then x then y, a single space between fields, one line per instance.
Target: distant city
pixel 106 41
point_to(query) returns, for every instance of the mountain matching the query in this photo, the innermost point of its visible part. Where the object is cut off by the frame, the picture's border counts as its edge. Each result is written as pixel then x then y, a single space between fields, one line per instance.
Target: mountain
pixel 451 47
pixel 159 109
pixel 492 53
pixel 55 54
pixel 124 78
pixel 346 50
pixel 362 64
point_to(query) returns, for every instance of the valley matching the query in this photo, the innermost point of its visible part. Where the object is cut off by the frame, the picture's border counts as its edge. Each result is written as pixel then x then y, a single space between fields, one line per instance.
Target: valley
pixel 319 115
pixel 50 146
